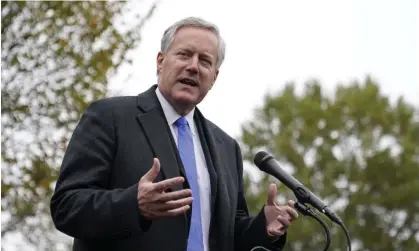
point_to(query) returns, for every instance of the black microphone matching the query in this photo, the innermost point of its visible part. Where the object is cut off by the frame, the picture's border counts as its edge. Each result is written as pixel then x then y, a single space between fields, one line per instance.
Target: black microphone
pixel 268 164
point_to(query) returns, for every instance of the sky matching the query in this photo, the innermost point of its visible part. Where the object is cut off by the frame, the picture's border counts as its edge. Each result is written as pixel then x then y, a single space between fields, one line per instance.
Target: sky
pixel 274 42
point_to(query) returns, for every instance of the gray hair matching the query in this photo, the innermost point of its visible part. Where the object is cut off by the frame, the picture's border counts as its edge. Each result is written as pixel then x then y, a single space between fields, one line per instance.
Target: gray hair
pixel 169 35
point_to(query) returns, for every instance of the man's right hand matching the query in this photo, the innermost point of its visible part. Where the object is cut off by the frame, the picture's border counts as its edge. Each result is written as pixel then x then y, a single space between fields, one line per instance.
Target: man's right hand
pixel 153 199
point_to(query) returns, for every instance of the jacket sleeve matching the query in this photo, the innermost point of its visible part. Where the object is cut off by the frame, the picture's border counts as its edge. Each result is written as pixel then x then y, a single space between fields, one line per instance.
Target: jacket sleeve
pixel 82 206
pixel 250 232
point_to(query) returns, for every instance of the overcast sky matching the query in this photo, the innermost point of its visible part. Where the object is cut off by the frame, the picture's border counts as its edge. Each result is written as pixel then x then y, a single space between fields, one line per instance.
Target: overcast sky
pixel 273 42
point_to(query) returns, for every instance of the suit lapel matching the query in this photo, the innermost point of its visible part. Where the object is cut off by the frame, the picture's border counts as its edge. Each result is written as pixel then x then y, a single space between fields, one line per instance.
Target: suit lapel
pixel 220 202
pixel 208 146
pixel 157 131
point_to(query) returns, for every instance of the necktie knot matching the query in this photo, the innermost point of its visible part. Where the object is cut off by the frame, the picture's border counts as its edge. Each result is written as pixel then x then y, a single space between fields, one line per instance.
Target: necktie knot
pixel 181 121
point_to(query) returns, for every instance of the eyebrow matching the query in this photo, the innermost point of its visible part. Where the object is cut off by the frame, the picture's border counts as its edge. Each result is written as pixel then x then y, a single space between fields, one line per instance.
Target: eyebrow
pixel 205 54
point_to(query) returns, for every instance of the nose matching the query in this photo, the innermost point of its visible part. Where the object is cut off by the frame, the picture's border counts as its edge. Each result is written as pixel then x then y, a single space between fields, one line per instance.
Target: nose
pixel 193 64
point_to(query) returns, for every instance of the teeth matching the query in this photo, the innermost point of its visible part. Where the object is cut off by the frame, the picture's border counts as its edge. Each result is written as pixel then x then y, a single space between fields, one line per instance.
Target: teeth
pixel 189 82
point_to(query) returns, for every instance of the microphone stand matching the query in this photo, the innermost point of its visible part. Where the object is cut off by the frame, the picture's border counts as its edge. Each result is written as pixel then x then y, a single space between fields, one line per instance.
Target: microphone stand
pixel 305 210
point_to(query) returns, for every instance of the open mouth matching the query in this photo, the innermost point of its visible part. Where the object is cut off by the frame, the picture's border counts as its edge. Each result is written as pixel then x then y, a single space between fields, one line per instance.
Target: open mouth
pixel 188 81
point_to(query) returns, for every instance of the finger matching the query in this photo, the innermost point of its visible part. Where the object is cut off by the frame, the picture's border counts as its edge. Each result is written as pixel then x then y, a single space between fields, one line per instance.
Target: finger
pixel 271 194
pixel 276 232
pixel 151 175
pixel 176 212
pixel 174 195
pixel 169 183
pixel 292 212
pixel 151 214
pixel 283 220
pixel 173 204
pixel 291 203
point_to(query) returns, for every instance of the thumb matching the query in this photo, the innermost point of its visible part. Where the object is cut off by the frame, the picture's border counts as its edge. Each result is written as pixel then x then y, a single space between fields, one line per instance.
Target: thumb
pixel 154 171
pixel 272 194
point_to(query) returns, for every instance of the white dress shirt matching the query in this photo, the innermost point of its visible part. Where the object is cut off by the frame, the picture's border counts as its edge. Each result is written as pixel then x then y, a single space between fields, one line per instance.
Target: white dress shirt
pixel 203 176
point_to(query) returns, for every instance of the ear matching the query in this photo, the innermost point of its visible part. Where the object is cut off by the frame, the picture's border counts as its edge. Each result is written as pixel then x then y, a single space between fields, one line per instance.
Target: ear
pixel 160 59
pixel 215 78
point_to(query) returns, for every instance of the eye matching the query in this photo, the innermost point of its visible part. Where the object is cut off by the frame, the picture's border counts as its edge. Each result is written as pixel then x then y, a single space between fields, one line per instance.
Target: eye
pixel 207 62
pixel 183 53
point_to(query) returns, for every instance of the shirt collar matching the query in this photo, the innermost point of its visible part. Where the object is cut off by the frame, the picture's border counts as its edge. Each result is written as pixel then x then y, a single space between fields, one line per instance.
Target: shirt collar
pixel 171 114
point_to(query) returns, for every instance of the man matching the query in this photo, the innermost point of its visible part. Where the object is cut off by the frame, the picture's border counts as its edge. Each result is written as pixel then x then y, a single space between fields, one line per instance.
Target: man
pixel 151 173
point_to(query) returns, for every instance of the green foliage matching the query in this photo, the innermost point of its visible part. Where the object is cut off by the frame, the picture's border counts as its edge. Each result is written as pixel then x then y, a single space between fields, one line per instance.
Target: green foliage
pixel 57 57
pixel 354 149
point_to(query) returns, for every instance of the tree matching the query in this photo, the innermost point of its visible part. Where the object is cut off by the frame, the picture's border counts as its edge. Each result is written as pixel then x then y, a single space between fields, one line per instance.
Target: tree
pixel 355 149
pixel 56 58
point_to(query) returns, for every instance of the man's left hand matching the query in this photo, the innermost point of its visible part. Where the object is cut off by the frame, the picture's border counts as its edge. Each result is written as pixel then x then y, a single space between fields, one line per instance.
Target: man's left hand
pixel 278 218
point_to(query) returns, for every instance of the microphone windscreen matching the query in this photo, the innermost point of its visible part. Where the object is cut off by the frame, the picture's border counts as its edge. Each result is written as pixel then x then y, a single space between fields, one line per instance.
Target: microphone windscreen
pixel 260 157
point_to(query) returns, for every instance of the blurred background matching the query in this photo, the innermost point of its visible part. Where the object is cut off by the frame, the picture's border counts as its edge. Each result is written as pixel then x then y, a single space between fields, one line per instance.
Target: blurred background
pixel 331 88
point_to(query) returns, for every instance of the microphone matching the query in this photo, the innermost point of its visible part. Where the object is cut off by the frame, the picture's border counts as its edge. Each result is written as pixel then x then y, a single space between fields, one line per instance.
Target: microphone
pixel 268 164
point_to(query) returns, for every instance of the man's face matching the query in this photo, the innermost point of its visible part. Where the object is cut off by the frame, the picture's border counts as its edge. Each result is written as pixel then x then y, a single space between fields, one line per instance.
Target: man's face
pixel 188 69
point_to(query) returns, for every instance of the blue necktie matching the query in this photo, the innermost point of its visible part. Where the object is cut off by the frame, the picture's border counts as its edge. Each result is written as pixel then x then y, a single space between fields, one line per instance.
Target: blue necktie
pixel 186 151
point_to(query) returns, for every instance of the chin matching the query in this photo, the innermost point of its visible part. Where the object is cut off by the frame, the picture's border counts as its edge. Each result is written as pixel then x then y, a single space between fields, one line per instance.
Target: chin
pixel 186 95
pixel 186 100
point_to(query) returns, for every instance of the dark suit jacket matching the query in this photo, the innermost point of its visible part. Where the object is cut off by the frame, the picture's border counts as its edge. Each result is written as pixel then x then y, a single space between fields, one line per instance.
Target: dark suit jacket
pixel 111 148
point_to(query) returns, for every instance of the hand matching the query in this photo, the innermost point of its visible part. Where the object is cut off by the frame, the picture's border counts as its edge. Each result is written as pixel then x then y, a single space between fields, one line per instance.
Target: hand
pixel 154 201
pixel 278 218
